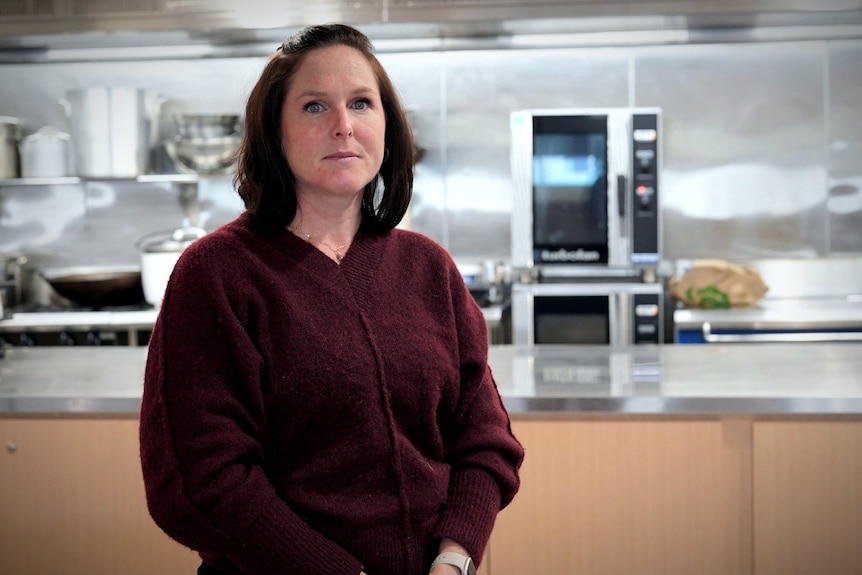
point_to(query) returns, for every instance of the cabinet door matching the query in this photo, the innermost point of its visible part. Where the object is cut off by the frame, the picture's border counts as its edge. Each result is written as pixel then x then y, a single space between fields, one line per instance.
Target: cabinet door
pixel 73 502
pixel 613 497
pixel 808 497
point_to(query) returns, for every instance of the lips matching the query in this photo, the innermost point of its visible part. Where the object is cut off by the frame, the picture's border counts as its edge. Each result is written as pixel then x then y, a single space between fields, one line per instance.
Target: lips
pixel 342 156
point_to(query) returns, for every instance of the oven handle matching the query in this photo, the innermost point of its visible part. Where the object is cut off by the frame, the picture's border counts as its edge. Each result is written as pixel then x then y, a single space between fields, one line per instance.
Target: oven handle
pixel 813 336
pixel 621 194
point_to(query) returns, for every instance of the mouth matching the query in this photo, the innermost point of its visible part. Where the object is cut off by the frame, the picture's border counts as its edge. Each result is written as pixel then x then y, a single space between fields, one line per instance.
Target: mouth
pixel 342 156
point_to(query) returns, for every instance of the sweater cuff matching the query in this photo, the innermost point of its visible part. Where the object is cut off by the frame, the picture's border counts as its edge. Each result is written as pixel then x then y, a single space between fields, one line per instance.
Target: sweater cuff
pixel 472 508
pixel 268 549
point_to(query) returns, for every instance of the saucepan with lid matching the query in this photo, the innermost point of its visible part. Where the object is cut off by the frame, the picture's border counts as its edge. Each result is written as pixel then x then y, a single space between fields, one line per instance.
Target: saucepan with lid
pixel 159 253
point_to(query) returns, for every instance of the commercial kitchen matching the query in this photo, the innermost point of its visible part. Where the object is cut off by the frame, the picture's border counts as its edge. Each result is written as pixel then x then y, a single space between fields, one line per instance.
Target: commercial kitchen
pixel 576 159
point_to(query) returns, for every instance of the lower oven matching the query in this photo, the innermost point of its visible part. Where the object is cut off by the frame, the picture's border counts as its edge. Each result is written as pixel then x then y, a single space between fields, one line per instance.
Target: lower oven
pixel 587 313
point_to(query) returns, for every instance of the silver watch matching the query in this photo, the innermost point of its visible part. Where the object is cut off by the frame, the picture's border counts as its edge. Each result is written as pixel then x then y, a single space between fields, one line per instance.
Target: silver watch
pixel 462 562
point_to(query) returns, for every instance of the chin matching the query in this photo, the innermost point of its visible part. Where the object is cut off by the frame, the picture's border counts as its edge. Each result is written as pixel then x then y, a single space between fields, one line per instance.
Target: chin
pixel 351 185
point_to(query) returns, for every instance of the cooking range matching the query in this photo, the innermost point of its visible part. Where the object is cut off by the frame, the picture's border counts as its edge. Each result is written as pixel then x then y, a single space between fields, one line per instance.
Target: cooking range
pixel 122 325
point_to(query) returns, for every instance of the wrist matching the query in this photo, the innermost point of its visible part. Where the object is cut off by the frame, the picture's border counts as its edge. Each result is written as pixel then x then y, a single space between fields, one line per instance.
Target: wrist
pixel 454 562
pixel 447 545
pixel 444 570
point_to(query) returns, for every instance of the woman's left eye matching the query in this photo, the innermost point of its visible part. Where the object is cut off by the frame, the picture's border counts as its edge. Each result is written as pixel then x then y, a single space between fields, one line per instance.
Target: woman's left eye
pixel 361 104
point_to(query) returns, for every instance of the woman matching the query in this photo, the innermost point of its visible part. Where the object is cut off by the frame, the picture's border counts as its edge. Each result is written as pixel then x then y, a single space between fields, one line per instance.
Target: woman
pixel 317 398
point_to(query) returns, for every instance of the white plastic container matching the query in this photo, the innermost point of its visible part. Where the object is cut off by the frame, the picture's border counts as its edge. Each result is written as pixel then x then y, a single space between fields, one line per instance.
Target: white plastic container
pixel 46 154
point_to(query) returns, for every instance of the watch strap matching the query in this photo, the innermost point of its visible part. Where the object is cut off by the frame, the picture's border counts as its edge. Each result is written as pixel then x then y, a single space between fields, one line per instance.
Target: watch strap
pixel 462 562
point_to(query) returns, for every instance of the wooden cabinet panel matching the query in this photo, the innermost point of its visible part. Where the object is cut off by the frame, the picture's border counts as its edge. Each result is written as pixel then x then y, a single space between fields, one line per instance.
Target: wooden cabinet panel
pixel 808 503
pixel 598 497
pixel 73 502
pixel 616 497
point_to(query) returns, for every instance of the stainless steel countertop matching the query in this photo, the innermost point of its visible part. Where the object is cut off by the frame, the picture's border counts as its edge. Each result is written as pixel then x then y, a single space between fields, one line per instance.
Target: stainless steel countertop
pixel 789 379
pixel 791 313
pixel 77 380
pixel 797 379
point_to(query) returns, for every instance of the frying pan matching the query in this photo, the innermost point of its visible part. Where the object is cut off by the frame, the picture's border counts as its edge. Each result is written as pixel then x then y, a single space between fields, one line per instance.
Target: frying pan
pixel 97 286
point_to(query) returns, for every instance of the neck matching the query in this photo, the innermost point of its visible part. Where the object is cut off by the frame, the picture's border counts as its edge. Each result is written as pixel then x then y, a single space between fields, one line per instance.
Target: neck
pixel 336 235
pixel 331 237
pixel 334 224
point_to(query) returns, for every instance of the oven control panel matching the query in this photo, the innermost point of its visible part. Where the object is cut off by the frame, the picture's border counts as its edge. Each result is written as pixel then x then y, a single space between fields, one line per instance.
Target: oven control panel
pixel 645 189
pixel 647 318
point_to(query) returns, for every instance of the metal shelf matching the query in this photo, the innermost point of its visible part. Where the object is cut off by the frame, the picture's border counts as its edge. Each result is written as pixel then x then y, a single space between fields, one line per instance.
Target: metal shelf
pixel 70 180
pixel 145 179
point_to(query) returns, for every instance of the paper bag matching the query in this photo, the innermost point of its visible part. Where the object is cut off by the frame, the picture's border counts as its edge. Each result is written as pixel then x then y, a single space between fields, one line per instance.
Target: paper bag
pixel 718 284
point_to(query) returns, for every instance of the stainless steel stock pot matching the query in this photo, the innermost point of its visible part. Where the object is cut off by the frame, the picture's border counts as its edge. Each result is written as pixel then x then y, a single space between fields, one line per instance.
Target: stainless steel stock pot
pixel 113 130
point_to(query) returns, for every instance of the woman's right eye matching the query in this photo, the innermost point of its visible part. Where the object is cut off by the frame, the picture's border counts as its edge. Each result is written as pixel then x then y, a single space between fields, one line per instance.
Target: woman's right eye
pixel 313 107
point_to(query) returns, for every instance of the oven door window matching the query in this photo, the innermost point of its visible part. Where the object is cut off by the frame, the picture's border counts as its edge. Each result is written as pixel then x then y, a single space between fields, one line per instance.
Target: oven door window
pixel 572 320
pixel 570 180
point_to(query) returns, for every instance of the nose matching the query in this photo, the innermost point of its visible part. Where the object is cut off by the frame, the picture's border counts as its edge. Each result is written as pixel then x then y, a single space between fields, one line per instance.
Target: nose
pixel 343 124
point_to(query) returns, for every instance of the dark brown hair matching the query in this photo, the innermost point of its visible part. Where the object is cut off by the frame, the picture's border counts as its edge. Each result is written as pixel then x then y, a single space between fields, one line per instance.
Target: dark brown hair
pixel 263 178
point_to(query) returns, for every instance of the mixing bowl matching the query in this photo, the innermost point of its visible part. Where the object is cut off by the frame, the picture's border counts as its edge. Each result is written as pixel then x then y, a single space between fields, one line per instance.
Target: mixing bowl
pixel 204 155
pixel 194 126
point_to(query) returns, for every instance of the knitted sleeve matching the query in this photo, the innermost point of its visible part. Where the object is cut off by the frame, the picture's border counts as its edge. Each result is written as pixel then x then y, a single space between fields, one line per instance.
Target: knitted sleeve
pixel 484 455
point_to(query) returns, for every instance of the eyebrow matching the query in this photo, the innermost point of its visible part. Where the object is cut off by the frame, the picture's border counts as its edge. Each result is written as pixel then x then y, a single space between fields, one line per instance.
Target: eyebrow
pixel 319 93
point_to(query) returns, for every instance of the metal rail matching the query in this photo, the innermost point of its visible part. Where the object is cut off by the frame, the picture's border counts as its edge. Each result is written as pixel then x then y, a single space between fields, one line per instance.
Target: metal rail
pixel 813 336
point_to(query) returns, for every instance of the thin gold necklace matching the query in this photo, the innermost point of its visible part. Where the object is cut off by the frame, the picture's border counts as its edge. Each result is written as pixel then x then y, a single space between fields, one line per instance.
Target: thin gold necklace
pixel 337 250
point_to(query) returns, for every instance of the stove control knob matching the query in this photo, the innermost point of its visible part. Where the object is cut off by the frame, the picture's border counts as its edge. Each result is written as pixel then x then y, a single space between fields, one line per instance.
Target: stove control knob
pixel 93 338
pixel 65 338
pixel 26 340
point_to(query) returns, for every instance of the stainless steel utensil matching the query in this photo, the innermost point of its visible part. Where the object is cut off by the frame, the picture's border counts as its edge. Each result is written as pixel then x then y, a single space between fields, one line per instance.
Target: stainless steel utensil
pixel 195 126
pixel 97 286
pixel 204 155
pixel 10 133
pixel 112 130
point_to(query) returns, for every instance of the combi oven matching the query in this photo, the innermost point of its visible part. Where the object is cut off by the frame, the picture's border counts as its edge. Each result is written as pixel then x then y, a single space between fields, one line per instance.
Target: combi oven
pixel 587 313
pixel 586 188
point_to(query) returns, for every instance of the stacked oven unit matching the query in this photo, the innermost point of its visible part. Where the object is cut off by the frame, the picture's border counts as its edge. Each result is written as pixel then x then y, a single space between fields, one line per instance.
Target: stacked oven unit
pixel 586 227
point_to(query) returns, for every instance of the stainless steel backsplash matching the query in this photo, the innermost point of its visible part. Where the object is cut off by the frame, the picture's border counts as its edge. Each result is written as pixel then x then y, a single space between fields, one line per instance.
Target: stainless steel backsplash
pixel 762 144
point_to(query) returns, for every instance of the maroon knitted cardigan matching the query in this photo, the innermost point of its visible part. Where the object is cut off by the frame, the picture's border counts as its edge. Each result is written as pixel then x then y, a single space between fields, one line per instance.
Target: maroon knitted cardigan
pixel 301 416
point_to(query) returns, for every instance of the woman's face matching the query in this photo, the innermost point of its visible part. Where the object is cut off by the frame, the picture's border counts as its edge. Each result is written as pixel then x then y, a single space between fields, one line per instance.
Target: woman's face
pixel 333 124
